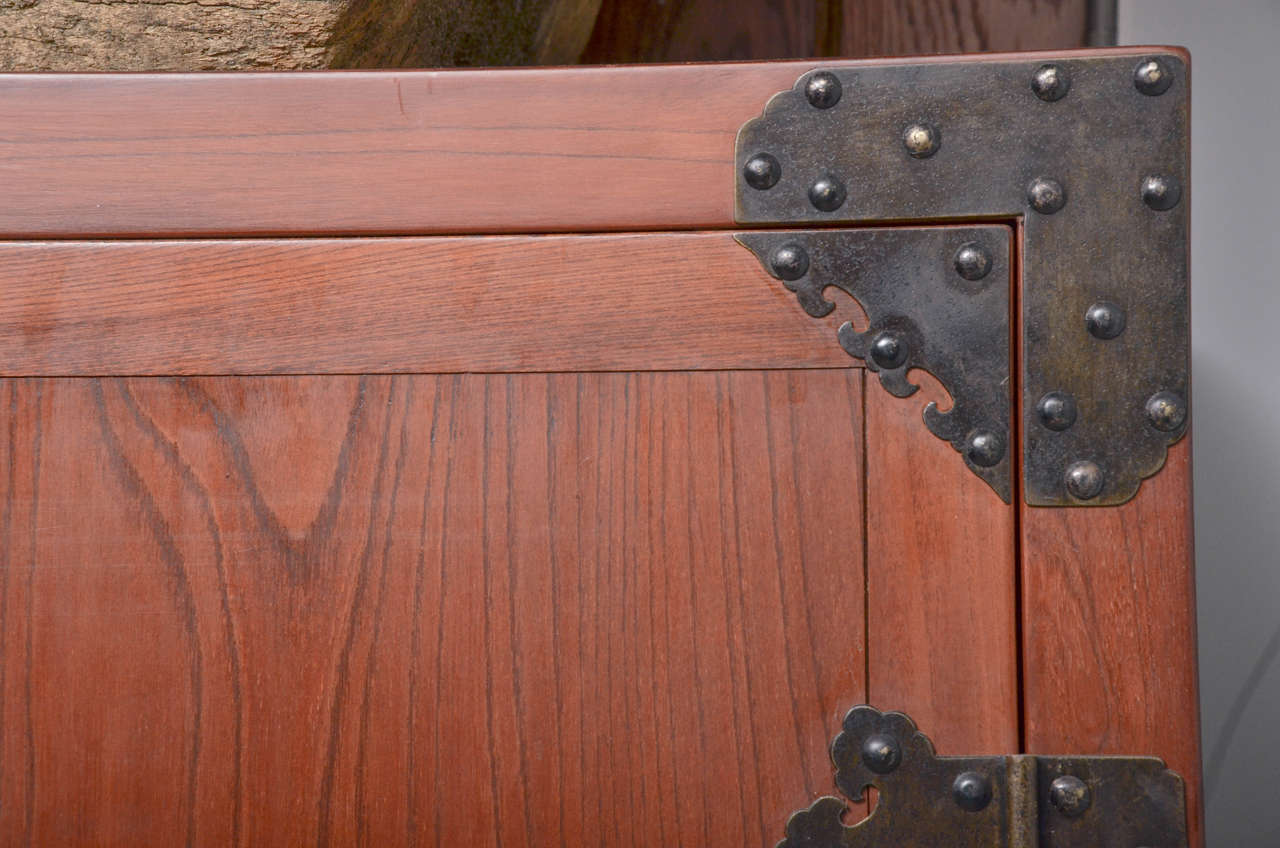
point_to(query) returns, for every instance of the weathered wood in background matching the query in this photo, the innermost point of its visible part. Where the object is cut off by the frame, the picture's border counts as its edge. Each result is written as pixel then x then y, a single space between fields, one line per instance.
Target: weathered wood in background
pixel 153 35
pixel 204 35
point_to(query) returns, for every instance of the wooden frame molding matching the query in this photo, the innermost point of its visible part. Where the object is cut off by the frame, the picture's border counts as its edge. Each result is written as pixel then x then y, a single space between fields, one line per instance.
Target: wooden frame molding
pixel 387 152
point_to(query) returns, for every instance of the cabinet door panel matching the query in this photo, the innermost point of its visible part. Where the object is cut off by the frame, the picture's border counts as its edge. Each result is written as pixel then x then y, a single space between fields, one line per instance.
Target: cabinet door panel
pixel 476 609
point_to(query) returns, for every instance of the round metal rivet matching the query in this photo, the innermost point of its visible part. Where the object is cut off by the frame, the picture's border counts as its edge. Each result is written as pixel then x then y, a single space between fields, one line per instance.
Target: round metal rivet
pixel 888 350
pixel 1051 82
pixel 1160 192
pixel 1046 196
pixel 972 791
pixel 972 261
pixel 823 90
pixel 1104 320
pixel 762 171
pixel 1084 480
pixel 881 753
pixel 921 140
pixel 1152 77
pixel 984 448
pixel 1166 411
pixel 827 194
pixel 1069 795
pixel 789 262
pixel 1056 410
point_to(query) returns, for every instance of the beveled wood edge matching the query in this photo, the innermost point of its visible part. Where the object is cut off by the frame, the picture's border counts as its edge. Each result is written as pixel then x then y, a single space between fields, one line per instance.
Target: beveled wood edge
pixel 573 70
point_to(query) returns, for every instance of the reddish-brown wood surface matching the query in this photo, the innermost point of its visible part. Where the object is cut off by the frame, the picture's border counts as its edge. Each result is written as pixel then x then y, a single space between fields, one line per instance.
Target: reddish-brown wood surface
pixel 601 609
pixel 571 303
pixel 941 560
pixel 1109 638
pixel 570 149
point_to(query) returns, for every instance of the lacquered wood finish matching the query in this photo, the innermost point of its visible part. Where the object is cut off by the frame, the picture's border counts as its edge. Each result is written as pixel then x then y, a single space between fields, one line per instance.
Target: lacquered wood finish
pixel 605 609
pixel 573 303
pixel 405 152
pixel 941 577
pixel 1109 635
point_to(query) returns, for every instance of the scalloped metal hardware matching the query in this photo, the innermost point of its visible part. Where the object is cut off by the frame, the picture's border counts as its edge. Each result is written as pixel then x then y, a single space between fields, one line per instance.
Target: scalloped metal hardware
pixel 937 299
pixel 1017 801
pixel 1088 154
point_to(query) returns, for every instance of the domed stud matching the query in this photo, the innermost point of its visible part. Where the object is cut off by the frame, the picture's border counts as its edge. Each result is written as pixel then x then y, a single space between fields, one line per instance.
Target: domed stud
pixel 1070 795
pixel 789 262
pixel 1152 77
pixel 1161 192
pixel 823 90
pixel 827 194
pixel 1084 480
pixel 1056 410
pixel 984 448
pixel 972 261
pixel 1104 320
pixel 881 753
pixel 762 171
pixel 921 140
pixel 1166 411
pixel 1046 195
pixel 888 350
pixel 1051 82
pixel 972 791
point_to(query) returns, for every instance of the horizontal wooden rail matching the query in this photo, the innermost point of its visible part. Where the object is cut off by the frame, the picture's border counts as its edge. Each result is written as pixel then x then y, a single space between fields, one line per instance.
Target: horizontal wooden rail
pixel 384 152
pixel 690 301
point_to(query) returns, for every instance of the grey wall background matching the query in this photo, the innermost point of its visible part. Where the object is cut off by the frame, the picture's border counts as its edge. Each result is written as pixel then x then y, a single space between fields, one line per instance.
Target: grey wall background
pixel 1235 327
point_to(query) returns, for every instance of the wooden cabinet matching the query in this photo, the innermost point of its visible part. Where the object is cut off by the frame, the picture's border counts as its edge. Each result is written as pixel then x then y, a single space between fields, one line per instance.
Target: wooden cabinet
pixel 417 458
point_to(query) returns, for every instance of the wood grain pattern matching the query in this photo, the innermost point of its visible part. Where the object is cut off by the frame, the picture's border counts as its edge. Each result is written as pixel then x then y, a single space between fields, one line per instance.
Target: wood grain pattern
pixel 470 33
pixel 555 150
pixel 941 583
pixel 595 303
pixel 716 30
pixel 904 27
pixel 1109 637
pixel 597 609
pixel 703 30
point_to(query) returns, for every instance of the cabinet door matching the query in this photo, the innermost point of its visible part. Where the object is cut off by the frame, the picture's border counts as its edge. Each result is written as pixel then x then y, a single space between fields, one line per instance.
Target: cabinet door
pixel 425 458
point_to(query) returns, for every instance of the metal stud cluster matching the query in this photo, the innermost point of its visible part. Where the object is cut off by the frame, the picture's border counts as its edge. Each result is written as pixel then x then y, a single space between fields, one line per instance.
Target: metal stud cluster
pixel 972 801
pixel 936 298
pixel 1085 479
pixel 829 153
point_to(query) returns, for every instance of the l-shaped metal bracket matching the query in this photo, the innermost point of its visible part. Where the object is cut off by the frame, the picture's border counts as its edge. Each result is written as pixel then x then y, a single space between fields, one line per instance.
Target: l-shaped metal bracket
pixel 1087 155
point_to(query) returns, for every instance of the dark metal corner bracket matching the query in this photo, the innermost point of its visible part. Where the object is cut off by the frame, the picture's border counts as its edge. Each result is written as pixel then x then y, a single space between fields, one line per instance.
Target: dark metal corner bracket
pixel 1017 801
pixel 937 298
pixel 1090 154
